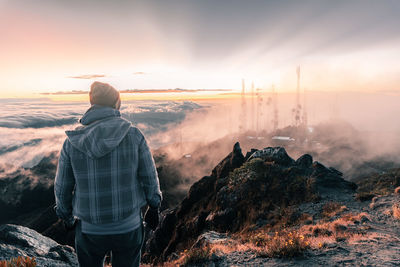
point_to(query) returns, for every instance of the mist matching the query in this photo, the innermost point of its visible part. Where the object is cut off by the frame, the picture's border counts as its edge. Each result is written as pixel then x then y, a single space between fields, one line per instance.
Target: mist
pixel 32 129
pixel 356 133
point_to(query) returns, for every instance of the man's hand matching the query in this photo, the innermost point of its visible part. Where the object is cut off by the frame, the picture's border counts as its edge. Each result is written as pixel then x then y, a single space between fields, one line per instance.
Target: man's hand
pixel 151 218
pixel 70 224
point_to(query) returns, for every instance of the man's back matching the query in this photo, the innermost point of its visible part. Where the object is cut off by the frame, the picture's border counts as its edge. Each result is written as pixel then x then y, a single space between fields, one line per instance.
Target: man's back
pixel 105 175
pixel 113 169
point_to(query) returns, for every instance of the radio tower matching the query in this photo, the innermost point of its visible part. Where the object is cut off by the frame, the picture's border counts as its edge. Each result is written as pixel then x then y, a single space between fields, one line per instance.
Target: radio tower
pixel 243 126
pixel 252 106
pixel 304 119
pixel 275 107
pixel 259 110
pixel 298 106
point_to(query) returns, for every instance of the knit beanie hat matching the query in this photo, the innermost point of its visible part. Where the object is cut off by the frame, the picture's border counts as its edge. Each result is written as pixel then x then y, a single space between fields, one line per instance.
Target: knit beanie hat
pixel 105 95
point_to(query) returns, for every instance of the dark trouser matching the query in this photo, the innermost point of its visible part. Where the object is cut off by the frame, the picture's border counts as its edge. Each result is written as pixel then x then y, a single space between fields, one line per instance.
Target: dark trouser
pixel 125 248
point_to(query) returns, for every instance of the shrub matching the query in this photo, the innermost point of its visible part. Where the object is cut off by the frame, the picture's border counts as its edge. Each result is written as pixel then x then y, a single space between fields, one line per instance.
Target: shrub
pixel 380 184
pixel 19 262
pixel 339 228
pixel 365 196
pixel 197 255
pixel 260 239
pixel 248 171
pixel 397 190
pixel 396 211
pixel 331 209
pixel 285 244
pixel 350 217
pixel 320 231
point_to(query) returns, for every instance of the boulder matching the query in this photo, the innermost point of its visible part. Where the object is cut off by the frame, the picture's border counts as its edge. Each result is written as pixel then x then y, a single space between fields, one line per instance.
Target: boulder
pixel 234 160
pixel 273 154
pixel 18 240
pixel 304 161
pixel 210 237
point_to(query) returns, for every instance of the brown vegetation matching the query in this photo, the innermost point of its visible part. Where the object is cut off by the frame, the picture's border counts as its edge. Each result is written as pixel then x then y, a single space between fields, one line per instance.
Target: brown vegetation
pixel 259 191
pixel 331 209
pixel 197 255
pixel 19 262
pixel 284 244
pixel 397 190
pixel 364 196
pixel 396 211
pixel 378 184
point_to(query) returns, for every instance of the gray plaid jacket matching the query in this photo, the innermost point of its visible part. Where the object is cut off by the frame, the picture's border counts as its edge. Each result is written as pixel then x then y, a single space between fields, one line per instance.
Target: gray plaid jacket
pixel 105 170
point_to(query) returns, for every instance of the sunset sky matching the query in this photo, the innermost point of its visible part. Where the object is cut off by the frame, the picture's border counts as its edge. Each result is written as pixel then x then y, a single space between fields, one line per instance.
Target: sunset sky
pixel 54 45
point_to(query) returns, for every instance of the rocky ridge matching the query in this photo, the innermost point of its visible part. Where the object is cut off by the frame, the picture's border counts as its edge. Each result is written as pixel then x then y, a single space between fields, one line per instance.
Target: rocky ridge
pixel 16 240
pixel 244 192
pixel 372 238
pixel 263 189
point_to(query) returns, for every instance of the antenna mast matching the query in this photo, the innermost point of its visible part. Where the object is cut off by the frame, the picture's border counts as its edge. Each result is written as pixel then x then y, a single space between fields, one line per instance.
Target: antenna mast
pixel 298 106
pixel 252 106
pixel 259 110
pixel 275 107
pixel 305 118
pixel 242 127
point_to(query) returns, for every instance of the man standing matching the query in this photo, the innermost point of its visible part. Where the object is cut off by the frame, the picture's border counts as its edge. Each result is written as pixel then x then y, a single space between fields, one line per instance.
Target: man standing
pixel 105 175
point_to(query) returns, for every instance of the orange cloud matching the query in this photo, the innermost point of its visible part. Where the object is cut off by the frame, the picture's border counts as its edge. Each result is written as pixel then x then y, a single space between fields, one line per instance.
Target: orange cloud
pixel 140 73
pixel 88 76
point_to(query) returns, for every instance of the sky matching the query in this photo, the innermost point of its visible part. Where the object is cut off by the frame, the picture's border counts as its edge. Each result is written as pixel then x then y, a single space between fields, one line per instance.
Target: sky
pixel 57 45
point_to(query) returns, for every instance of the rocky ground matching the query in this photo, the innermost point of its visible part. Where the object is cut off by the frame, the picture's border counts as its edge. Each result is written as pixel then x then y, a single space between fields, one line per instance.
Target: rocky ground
pixel 379 245
pixel 323 208
pixel 261 189
pixel 377 242
pixel 17 241
pixel 243 199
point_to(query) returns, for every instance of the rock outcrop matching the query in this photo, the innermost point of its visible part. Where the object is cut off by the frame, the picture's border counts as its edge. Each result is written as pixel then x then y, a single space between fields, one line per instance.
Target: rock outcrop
pixel 243 192
pixel 27 190
pixel 17 241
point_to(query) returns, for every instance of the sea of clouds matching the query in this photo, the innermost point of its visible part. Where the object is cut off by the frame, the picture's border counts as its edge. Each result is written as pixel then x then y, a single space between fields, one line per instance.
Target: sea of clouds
pixel 32 128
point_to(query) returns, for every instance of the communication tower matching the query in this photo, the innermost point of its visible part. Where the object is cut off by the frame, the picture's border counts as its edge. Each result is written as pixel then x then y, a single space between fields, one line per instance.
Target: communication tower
pixel 252 106
pixel 243 117
pixel 275 120
pixel 305 117
pixel 259 112
pixel 297 109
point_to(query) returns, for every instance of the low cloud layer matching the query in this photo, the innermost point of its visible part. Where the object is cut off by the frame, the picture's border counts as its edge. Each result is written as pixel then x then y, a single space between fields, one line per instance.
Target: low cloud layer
pixel 31 130
pixel 87 76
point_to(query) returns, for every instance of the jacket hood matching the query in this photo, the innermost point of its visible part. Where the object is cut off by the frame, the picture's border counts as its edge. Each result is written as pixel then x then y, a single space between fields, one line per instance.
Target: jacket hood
pixel 101 132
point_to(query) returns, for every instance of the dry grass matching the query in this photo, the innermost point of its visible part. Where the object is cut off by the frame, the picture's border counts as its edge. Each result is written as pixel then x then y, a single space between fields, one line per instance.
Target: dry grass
pixel 229 248
pixel 317 236
pixel 359 218
pixel 339 230
pixel 349 217
pixel 197 256
pixel 365 196
pixel 321 231
pixel 19 262
pixel 332 208
pixel 201 255
pixel 284 244
pixel 397 190
pixel 396 211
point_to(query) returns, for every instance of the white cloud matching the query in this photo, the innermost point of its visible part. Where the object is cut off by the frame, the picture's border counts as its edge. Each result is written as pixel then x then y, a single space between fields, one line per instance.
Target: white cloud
pixel 30 130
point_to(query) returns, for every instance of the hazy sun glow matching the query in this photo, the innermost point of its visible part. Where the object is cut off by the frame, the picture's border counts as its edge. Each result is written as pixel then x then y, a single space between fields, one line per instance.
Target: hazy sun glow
pixel 63 46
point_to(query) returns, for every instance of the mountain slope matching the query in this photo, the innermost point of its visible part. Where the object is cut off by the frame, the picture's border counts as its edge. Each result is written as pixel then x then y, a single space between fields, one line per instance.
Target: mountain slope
pixel 244 193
